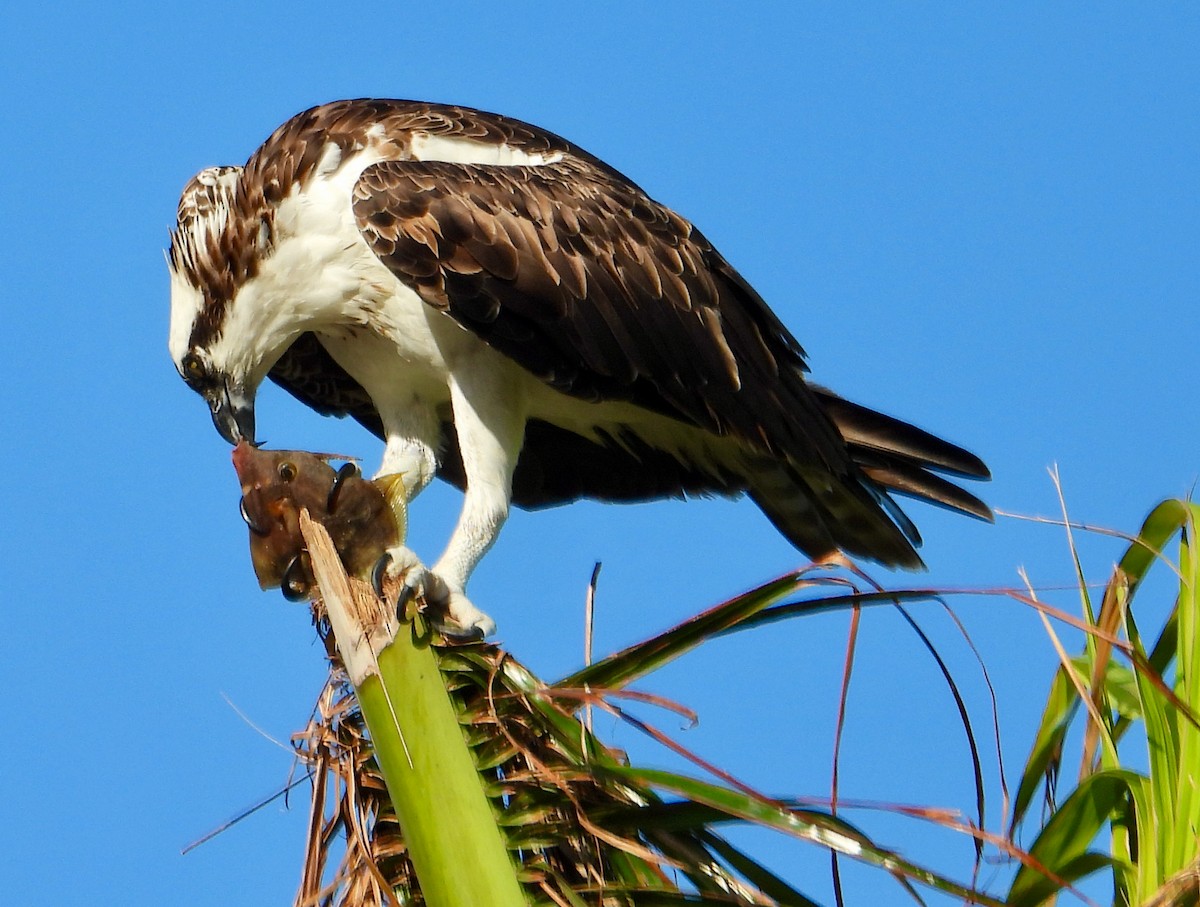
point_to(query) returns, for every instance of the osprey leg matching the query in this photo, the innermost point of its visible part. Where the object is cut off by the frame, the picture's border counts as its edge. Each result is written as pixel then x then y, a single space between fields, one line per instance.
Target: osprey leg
pixel 490 422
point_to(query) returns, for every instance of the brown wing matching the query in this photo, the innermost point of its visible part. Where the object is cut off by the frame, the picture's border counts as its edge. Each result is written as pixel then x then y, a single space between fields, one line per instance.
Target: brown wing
pixel 580 278
pixel 571 271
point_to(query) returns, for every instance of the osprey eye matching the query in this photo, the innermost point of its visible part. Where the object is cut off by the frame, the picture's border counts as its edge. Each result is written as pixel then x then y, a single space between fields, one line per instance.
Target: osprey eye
pixel 193 368
pixel 287 471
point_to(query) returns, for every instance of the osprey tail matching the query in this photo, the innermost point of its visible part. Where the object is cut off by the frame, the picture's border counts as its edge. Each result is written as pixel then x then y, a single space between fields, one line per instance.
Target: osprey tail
pixel 819 512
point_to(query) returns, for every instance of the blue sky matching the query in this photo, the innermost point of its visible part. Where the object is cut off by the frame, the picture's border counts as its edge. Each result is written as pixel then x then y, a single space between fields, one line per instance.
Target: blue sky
pixel 985 220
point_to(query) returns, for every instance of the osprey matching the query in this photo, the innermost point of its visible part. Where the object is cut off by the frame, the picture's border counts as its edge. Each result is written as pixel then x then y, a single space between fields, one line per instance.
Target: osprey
pixel 510 313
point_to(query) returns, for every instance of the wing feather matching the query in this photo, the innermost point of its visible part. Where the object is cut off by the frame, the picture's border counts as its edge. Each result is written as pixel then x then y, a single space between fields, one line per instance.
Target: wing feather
pixel 571 271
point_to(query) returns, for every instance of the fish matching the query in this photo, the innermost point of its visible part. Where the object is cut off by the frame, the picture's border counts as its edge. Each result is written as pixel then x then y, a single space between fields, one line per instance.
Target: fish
pixel 363 517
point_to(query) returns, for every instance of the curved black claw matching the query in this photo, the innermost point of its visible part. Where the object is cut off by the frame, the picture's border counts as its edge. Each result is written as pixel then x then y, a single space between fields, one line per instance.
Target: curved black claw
pixel 293 585
pixel 378 572
pixel 347 471
pixel 254 527
pixel 406 594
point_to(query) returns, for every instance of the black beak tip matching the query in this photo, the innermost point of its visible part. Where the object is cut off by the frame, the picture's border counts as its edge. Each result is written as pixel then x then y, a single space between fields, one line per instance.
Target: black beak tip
pixel 225 428
pixel 233 418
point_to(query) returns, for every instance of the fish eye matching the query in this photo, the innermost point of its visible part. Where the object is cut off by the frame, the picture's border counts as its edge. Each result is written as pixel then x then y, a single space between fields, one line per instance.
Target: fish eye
pixel 287 471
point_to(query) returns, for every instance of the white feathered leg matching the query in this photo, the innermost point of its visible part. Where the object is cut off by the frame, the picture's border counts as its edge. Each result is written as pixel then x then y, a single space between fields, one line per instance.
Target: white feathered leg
pixel 490 423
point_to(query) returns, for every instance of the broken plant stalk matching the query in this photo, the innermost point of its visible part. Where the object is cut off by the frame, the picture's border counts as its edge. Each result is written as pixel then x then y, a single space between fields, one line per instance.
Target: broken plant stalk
pixel 456 847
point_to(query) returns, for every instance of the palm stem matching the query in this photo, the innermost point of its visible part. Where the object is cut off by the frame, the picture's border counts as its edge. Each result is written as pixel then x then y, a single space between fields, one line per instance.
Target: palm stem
pixel 455 844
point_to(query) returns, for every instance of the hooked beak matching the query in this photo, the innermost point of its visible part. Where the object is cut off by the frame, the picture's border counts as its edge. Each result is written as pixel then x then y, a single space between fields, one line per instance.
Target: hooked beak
pixel 232 413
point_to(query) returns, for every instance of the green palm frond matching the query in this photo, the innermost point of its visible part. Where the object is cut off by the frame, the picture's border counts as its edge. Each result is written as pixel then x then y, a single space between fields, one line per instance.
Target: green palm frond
pixel 1122 690
pixel 582 825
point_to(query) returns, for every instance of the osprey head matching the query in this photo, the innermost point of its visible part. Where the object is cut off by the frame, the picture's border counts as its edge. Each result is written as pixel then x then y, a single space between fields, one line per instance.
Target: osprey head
pixel 217 336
